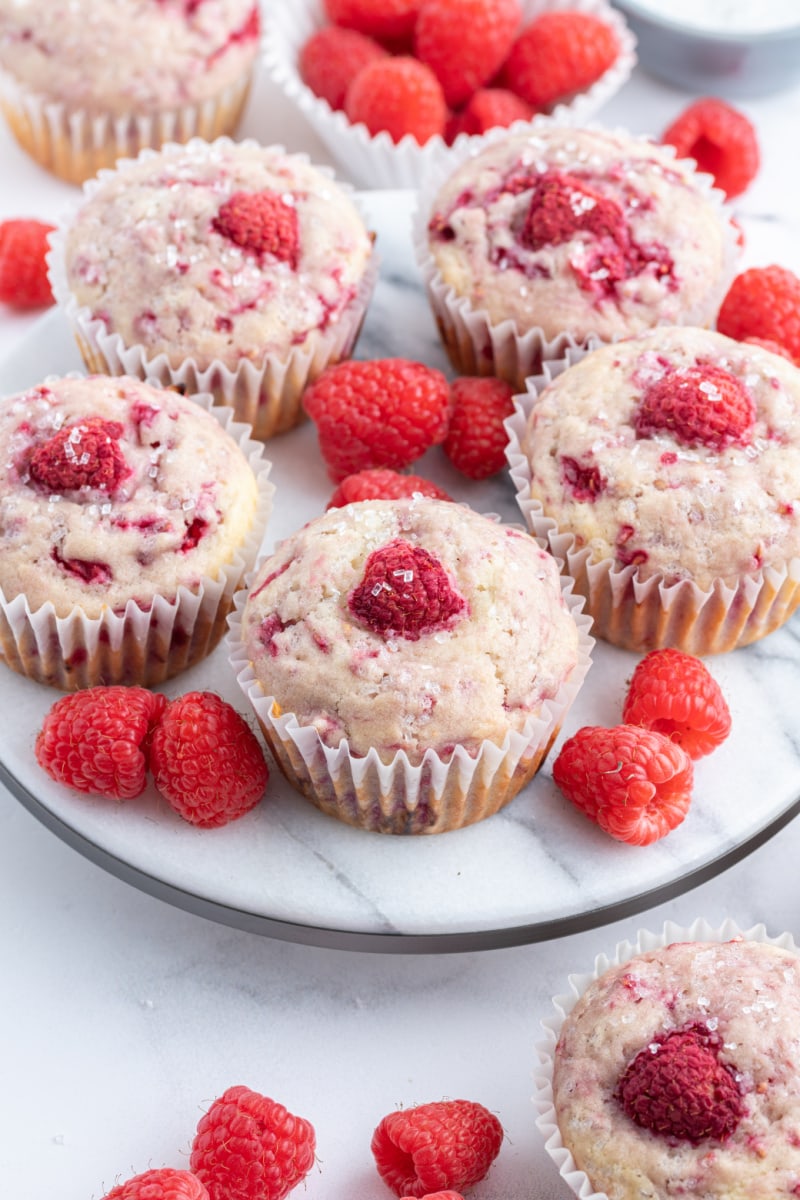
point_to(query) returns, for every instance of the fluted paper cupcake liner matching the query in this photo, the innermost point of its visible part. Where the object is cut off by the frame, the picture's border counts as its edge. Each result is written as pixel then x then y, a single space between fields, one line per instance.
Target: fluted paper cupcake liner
pixel 136 646
pixel 267 394
pixel 378 162
pixel 699 931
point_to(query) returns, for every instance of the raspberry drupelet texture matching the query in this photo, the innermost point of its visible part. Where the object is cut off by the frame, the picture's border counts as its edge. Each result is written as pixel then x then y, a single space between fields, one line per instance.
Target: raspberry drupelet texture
pixel 558 54
pixel 476 439
pixel 23 270
pixel 249 1147
pixel 700 405
pixel 764 302
pixel 262 223
pixel 675 694
pixel 399 96
pixel 331 57
pixel 162 1183
pixel 85 454
pixel 448 1144
pixel 382 483
pixel 389 21
pixel 677 1088
pixel 95 740
pixel 405 592
pixel 465 42
pixel 562 205
pixel 448 1195
pixel 206 761
pixel 721 140
pixel 487 108
pixel 634 783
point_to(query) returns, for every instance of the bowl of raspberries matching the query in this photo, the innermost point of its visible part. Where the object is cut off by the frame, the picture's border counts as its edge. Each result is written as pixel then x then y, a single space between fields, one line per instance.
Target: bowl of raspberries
pixel 396 87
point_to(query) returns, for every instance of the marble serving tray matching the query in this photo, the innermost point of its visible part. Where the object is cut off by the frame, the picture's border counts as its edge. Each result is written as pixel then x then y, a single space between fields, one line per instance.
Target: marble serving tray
pixel 536 870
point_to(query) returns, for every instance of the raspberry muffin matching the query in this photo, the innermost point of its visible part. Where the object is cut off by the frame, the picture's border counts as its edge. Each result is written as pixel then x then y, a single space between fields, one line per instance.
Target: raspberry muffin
pixel 410 662
pixel 677 1072
pixel 85 84
pixel 665 470
pixel 129 515
pixel 558 236
pixel 225 267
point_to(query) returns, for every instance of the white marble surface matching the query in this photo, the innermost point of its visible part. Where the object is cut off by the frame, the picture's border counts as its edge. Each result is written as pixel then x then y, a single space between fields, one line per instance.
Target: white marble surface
pixel 123 1017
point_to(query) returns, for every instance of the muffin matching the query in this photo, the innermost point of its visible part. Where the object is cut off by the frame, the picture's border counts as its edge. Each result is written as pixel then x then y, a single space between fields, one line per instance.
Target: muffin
pixel 129 516
pixel 677 1072
pixel 410 662
pixel 665 470
pixel 84 84
pixel 555 237
pixel 225 267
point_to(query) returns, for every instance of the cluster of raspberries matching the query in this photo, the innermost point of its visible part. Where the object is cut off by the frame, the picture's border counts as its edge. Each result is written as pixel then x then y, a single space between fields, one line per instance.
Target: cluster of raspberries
pixel 427 68
pixel 249 1147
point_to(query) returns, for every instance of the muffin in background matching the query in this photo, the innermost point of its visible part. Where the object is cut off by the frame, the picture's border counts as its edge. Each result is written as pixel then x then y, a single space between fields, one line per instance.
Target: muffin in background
pixel 559 237
pixel 665 471
pixel 82 85
pixel 226 267
pixel 130 515
pixel 410 662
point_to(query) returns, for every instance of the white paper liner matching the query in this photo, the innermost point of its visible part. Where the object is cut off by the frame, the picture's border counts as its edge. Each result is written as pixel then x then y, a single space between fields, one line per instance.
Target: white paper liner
pixel 378 162
pixel 400 797
pixel 475 344
pixel 699 931
pixel 75 145
pixel 267 395
pixel 136 646
pixel 642 614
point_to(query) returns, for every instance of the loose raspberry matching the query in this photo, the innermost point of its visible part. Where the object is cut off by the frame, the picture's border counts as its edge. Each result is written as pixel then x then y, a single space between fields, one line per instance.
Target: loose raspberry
pixel 444 1145
pixel 95 740
pixel 476 440
pixel 388 21
pixel 436 1196
pixel 384 412
pixel 488 108
pixel 675 694
pixel 261 222
pixel 634 783
pixel 23 270
pixel 399 96
pixel 701 405
pixel 85 454
pixel 248 1147
pixel 331 57
pixel 163 1183
pixel 558 54
pixel 764 302
pixel 206 761
pixel 720 139
pixel 405 592
pixel 381 483
pixel 562 205
pixel 465 42
pixel 677 1087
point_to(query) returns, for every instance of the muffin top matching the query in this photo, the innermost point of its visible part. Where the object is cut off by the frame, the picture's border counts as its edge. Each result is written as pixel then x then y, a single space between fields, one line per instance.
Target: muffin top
pixel 677 451
pixel 216 251
pixel 128 56
pixel 409 625
pixel 678 1073
pixel 112 490
pixel 581 231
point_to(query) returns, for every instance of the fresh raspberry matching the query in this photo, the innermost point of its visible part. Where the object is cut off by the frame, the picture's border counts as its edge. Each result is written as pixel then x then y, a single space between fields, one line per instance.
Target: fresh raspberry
pixel 405 592
pixel 381 483
pixel 675 694
pixel 163 1183
pixel 634 783
pixel 558 54
pixel 476 440
pixel 720 139
pixel 248 1147
pixel 23 270
pixel 678 1088
pixel 331 57
pixel 261 222
pixel 562 205
pixel 399 96
pixel 436 1196
pixel 444 1145
pixel 488 108
pixel 86 454
pixel 95 740
pixel 206 761
pixel 700 405
pixel 384 412
pixel 388 21
pixel 465 42
pixel 764 302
